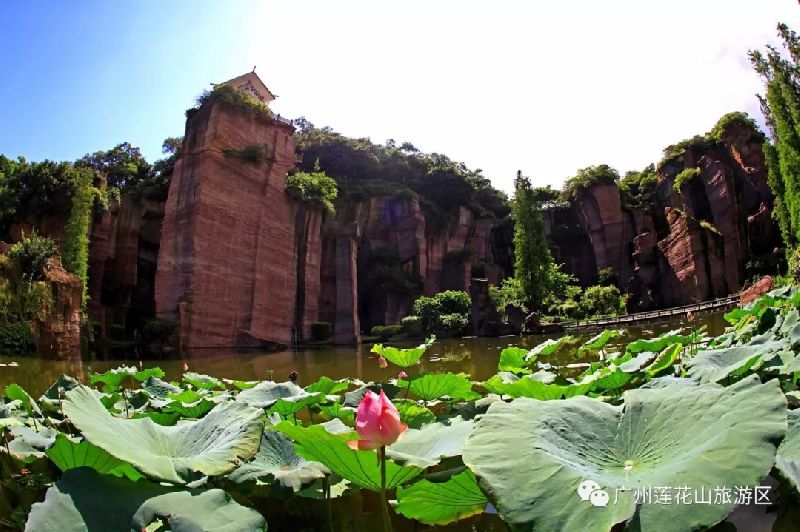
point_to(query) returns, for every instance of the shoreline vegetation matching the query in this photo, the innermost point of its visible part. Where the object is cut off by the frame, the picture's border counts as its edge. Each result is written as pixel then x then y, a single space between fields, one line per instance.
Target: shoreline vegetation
pixel 203 446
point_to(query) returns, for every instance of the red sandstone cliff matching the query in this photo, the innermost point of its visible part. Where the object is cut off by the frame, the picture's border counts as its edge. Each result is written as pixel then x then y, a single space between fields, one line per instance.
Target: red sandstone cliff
pixel 690 245
pixel 228 264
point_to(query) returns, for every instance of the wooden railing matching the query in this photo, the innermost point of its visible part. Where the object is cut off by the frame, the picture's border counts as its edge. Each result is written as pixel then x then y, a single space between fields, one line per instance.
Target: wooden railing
pixel 713 304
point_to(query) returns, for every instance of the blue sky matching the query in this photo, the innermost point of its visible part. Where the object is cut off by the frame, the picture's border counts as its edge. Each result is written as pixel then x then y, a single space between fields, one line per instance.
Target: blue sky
pixel 546 87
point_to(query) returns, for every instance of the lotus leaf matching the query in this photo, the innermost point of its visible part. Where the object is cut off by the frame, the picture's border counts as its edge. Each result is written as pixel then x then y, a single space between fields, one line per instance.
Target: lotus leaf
pixel 85 500
pixel 216 444
pixel 277 460
pixel 403 357
pixel 788 458
pixel 359 467
pixel 266 393
pixel 696 436
pixel 443 502
pixel 426 447
pixel 67 454
pixel 513 359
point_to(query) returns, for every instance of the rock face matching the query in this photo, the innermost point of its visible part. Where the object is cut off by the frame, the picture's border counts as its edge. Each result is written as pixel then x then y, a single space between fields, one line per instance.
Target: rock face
pixel 399 255
pixel 758 289
pixel 122 263
pixel 689 245
pixel 484 316
pixel 228 262
pixel 58 327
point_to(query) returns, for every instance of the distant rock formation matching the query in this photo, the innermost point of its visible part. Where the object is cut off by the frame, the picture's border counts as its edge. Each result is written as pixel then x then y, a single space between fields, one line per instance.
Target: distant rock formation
pixel 689 245
pixel 57 328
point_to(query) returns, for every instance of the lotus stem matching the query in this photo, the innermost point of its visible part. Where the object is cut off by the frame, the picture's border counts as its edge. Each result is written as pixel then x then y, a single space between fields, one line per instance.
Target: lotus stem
pixel 387 522
pixel 326 491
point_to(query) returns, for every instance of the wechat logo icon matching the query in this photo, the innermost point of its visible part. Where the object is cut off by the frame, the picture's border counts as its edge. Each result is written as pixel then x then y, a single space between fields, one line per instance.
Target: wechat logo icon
pixel 589 490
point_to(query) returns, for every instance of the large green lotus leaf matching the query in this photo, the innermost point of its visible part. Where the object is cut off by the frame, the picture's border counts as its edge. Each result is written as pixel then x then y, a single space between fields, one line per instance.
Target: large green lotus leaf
pixel 549 347
pixel 277 460
pixel 413 414
pixel 339 411
pixel 202 382
pixel 30 444
pixel 513 359
pixel 599 341
pixel 160 389
pixel 426 447
pixel 15 392
pixel 266 393
pixel 444 502
pixel 531 456
pixel 535 389
pixel 113 378
pixel 144 374
pixel 67 454
pixel 635 364
pixel 659 343
pixel 191 410
pixel 788 458
pixel 327 386
pixel 353 399
pixel 664 361
pixel 715 365
pixel 403 357
pixel 215 445
pixel 10 414
pixel 360 467
pixel 86 500
pixel 292 405
pixel 433 386
pixel 612 378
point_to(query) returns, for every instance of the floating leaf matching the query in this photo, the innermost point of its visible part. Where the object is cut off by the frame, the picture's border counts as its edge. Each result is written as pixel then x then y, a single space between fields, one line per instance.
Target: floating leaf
pixel 717 364
pixel 412 414
pixel 426 447
pixel 339 411
pixel 113 378
pixel 144 374
pixel 549 347
pixel 277 460
pixel 86 500
pixel 216 444
pixel 444 502
pixel 787 461
pixel 513 359
pixel 599 341
pixel 266 393
pixel 291 405
pixel 66 455
pixel 433 386
pixel 697 436
pixel 359 467
pixel 403 357
pixel 203 382
pixel 664 361
pixel 327 386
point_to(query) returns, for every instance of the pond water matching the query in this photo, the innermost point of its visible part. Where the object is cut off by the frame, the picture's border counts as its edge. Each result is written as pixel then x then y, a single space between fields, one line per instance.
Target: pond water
pixel 476 356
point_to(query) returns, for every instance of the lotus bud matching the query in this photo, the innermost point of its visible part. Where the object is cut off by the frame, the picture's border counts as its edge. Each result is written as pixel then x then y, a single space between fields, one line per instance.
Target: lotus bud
pixel 293 376
pixel 402 375
pixel 382 362
pixel 690 316
pixel 377 422
pixel 185 366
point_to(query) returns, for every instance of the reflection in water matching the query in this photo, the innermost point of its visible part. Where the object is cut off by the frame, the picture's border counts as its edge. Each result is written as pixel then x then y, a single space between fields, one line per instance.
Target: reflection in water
pixel 475 356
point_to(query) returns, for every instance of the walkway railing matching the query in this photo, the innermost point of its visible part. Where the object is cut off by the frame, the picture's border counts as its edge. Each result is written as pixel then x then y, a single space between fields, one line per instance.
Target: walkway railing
pixel 628 319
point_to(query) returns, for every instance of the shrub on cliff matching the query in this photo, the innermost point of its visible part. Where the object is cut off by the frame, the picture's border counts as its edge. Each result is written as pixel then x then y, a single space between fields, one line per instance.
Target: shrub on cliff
pixel 31 254
pixel 586 178
pixel 234 98
pixel 362 167
pixel 684 177
pixel 638 189
pixel 315 188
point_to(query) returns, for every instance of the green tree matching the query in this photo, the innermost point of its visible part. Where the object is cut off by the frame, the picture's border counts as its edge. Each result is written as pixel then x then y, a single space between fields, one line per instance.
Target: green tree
pixel 781 107
pixel 124 166
pixel 75 255
pixel 533 263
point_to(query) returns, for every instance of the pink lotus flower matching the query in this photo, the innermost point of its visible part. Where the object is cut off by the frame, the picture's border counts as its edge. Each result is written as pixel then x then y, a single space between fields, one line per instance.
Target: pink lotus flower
pixel 377 422
pixel 382 362
pixel 402 375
